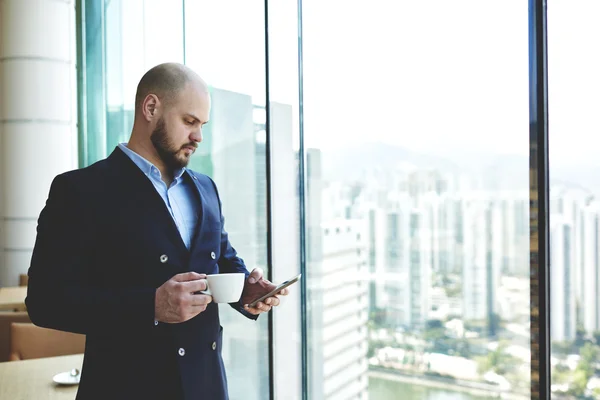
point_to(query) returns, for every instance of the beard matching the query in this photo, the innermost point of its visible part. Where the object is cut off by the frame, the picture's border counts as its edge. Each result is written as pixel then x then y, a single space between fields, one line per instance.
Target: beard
pixel 166 149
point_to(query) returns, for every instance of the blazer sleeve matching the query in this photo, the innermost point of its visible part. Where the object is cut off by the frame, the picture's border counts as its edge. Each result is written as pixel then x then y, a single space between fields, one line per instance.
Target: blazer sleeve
pixel 229 262
pixel 60 293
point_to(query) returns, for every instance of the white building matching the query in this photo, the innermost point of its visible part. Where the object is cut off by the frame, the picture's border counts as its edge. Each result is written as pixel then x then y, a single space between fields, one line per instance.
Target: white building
pixel 591 267
pixel 562 284
pixel 482 259
pixel 420 265
pixel 338 295
pixel 344 311
pixel 569 203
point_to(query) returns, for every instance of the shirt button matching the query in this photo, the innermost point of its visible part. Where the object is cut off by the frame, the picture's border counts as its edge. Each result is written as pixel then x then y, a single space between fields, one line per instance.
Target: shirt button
pixel 164 258
pixel 155 322
pixel 182 352
pixel 213 255
pixel 214 345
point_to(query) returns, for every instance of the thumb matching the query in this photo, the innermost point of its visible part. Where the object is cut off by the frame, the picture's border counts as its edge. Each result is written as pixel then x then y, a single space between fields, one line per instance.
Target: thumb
pixel 256 275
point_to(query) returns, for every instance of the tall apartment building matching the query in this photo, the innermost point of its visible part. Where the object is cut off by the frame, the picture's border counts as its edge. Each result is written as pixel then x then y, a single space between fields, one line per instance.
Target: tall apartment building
pixel 420 265
pixel 482 259
pixel 562 282
pixel 338 297
pixel 591 266
pixel 228 155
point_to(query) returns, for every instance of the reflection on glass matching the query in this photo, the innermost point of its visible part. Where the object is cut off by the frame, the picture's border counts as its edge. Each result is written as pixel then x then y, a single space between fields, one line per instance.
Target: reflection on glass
pixel 573 83
pixel 122 43
pixel 225 44
pixel 416 120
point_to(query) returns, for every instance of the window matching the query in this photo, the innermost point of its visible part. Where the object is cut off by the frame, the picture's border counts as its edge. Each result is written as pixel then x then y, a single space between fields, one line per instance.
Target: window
pixel 573 83
pixel 124 38
pixel 403 110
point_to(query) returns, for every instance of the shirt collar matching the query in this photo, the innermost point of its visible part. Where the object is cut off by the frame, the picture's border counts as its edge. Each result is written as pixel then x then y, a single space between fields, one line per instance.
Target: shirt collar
pixel 146 166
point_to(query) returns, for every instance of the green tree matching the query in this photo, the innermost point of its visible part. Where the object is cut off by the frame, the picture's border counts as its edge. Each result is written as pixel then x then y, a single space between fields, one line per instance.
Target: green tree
pixel 596 336
pixel 580 336
pixel 498 361
pixel 577 387
pixel 589 356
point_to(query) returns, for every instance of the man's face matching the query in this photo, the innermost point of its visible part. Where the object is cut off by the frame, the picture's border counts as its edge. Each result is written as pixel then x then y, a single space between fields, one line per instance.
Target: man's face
pixel 178 131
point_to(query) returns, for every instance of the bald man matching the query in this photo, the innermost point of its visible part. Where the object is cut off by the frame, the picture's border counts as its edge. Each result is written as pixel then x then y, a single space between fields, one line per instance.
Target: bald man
pixel 123 247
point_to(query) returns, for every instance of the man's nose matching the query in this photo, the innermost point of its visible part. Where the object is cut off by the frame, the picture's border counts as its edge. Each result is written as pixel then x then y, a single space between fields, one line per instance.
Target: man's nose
pixel 196 136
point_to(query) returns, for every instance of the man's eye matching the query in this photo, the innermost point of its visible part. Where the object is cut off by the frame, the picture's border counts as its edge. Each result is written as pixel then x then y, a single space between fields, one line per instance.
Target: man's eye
pixel 189 122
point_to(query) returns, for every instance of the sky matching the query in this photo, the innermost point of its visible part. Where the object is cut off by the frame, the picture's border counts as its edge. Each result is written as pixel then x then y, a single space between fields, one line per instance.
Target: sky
pixel 434 76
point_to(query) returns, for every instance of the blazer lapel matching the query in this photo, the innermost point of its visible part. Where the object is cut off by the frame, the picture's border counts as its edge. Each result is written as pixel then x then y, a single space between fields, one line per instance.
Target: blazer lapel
pixel 136 185
pixel 201 192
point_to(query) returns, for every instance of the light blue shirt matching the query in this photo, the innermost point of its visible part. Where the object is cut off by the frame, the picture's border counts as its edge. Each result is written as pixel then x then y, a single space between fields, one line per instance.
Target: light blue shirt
pixel 179 197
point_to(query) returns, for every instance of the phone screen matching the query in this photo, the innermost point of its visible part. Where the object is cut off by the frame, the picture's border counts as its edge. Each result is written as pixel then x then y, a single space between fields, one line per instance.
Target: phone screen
pixel 278 289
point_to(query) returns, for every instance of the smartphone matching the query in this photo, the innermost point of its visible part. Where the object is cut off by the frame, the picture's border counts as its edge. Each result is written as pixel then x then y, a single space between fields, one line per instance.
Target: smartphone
pixel 278 289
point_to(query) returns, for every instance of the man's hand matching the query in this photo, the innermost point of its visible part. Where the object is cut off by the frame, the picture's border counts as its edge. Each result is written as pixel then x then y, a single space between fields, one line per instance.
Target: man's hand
pixel 256 287
pixel 175 300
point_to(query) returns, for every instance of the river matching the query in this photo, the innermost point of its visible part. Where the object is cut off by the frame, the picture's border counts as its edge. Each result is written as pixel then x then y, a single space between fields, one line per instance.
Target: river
pixel 383 389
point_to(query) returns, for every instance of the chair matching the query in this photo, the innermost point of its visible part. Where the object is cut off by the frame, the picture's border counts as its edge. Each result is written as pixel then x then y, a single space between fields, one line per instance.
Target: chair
pixel 28 341
pixel 6 319
pixel 23 279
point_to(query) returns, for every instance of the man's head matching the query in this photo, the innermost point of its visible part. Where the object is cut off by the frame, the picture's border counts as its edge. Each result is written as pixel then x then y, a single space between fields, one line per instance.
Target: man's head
pixel 172 104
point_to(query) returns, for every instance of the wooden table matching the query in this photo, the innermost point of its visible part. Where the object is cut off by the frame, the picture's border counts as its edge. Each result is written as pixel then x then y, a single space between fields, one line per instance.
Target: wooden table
pixel 32 379
pixel 13 298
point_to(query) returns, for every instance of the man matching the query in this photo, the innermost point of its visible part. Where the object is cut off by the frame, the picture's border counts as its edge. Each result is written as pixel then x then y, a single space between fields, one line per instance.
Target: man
pixel 122 248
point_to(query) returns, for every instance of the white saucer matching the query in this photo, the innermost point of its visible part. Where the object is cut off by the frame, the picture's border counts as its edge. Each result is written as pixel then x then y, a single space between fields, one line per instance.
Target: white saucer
pixel 65 378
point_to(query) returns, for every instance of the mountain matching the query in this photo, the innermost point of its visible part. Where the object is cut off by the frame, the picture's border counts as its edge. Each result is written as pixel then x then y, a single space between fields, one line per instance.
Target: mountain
pixel 347 162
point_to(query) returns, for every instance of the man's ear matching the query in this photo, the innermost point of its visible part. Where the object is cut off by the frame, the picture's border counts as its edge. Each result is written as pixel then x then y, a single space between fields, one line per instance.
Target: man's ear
pixel 150 106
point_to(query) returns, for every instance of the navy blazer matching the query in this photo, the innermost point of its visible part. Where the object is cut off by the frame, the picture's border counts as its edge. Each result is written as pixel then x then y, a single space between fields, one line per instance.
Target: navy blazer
pixel 98 259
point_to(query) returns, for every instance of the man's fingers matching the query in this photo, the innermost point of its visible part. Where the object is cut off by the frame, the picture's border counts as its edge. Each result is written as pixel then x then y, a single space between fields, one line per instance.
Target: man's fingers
pixel 200 300
pixel 193 286
pixel 261 307
pixel 255 275
pixel 284 292
pixel 272 301
pixel 188 276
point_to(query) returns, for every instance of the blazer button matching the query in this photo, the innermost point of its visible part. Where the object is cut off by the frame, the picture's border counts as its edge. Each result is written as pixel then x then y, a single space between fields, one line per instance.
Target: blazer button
pixel 155 322
pixel 213 255
pixel 214 345
pixel 182 352
pixel 164 258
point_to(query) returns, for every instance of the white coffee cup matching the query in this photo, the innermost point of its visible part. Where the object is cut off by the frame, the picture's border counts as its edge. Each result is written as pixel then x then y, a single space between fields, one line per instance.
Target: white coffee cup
pixel 225 288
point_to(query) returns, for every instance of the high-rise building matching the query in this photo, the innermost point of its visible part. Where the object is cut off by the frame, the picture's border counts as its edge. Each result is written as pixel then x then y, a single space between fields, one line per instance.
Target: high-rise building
pixel 562 285
pixel 482 257
pixel 420 266
pixel 338 300
pixel 397 261
pixel 591 267
pixel 345 311
pixel 446 235
pixel 516 234
pixel 570 203
pixel 228 155
pixel 377 257
pixel 259 119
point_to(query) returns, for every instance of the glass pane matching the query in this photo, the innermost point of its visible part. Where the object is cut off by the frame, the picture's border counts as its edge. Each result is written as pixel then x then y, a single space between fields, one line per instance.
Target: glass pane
pixel 121 44
pixel 417 123
pixel 573 84
pixel 285 225
pixel 91 104
pixel 225 44
pixel 133 46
